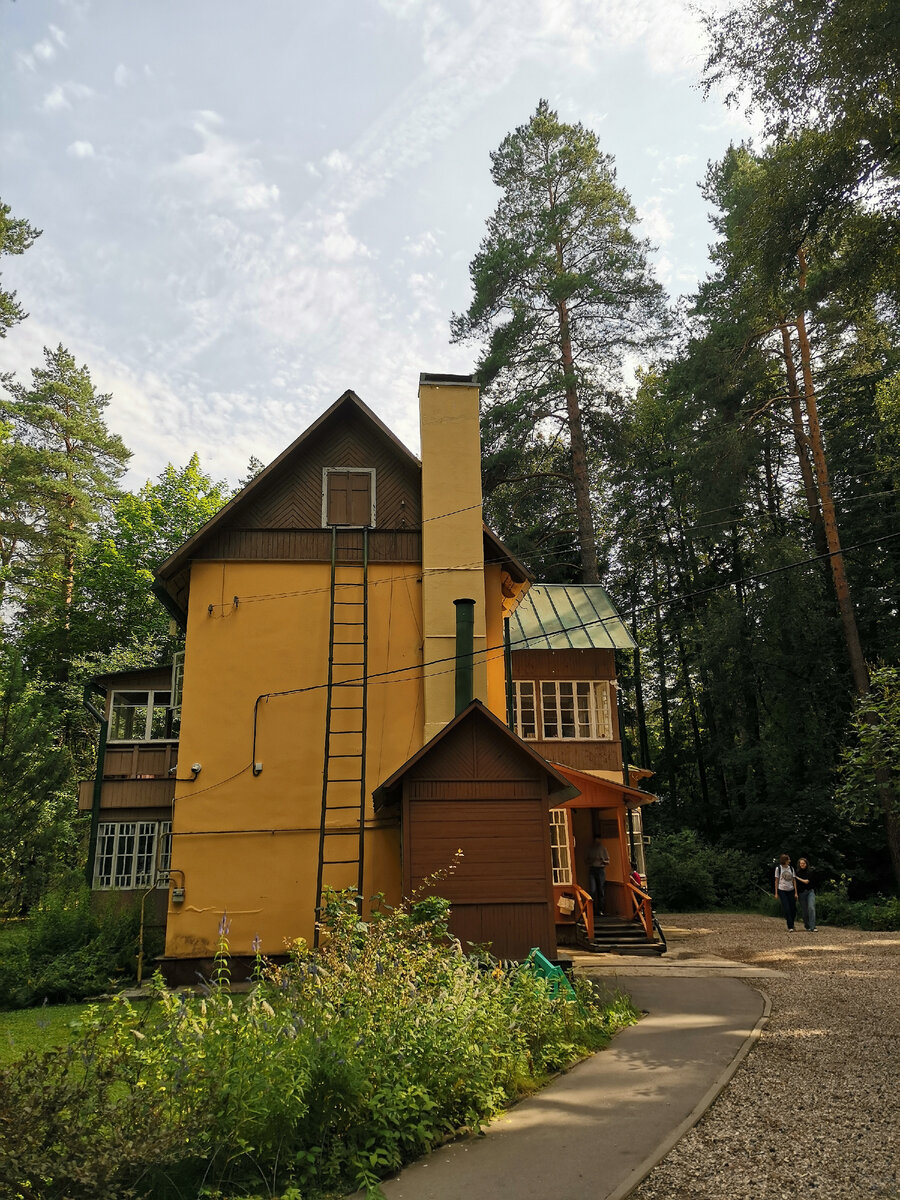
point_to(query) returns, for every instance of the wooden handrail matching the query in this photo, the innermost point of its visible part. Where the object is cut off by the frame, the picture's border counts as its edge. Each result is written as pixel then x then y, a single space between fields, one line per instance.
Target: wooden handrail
pixel 584 906
pixel 642 907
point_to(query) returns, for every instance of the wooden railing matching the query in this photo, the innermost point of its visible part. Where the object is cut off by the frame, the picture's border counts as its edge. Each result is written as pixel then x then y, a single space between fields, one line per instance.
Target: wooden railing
pixel 584 906
pixel 641 907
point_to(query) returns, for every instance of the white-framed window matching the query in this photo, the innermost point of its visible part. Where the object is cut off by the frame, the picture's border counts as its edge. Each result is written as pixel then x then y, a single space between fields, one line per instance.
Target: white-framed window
pixel 177 684
pixel 524 710
pixel 563 710
pixel 348 496
pixel 143 716
pixel 560 850
pixel 164 853
pixel 132 854
pixel 575 710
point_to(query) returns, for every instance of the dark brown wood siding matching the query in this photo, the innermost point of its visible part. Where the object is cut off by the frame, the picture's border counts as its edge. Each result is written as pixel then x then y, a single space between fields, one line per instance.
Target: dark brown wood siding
pixel 293 498
pixel 573 664
pixel 563 664
pixel 583 756
pixel 312 545
pixel 477 791
pixel 128 793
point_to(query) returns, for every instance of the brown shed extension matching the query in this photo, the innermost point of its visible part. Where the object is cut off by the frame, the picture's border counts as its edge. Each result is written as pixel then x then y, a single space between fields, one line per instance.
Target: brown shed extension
pixel 476 787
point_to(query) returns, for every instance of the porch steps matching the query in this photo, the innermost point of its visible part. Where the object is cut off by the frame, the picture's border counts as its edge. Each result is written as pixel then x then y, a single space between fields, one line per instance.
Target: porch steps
pixel 615 935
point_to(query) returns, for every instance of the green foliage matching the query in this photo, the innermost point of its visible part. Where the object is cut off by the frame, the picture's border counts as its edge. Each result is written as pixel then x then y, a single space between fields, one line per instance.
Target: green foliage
pixel 686 874
pixel 113 599
pixel 339 1068
pixel 16 236
pixel 562 291
pixel 876 912
pixel 37 815
pixel 68 949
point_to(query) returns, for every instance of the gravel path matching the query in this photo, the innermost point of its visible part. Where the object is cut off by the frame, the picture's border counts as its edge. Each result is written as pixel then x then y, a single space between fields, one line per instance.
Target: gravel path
pixel 815 1108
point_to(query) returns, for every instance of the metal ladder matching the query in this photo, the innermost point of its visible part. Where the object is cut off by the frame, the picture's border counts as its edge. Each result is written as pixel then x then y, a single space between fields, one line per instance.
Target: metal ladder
pixel 344 765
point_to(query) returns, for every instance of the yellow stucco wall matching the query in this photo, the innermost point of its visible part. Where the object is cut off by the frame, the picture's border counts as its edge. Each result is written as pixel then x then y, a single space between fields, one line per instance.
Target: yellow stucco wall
pixel 452 540
pixel 246 843
pixel 494 631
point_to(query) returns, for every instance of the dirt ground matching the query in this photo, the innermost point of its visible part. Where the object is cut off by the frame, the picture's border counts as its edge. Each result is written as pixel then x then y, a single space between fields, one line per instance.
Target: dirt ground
pixel 814 1110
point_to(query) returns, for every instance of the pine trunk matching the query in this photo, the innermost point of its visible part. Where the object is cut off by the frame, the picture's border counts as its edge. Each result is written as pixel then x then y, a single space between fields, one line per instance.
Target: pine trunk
pixel 590 571
pixel 838 574
pixel 801 442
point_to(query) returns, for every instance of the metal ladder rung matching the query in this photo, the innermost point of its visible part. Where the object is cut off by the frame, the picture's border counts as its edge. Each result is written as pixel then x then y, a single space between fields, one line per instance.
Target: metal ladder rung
pixel 356 566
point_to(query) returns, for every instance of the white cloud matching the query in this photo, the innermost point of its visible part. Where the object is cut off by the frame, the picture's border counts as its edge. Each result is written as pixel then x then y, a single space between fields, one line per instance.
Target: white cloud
pixel 80 150
pixel 338 244
pixel 337 161
pixel 61 96
pixel 222 172
pixel 424 246
pixel 43 51
pixel 122 76
pixel 655 222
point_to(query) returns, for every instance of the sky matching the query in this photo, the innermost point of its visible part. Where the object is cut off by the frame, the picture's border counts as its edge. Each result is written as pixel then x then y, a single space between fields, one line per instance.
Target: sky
pixel 248 208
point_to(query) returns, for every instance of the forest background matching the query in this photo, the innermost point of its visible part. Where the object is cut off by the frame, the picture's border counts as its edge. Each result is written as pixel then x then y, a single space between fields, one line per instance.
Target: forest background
pixel 739 502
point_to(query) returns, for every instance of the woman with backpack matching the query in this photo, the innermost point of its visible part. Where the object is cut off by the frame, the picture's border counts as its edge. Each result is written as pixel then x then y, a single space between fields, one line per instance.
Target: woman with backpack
pixel 786 890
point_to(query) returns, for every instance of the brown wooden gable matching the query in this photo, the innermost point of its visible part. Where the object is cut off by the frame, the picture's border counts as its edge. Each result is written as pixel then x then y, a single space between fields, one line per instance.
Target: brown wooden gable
pixel 278 515
pixel 292 498
pixel 477 747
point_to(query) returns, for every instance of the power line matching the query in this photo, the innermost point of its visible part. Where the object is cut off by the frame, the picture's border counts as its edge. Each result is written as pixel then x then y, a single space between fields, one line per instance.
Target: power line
pixel 413 672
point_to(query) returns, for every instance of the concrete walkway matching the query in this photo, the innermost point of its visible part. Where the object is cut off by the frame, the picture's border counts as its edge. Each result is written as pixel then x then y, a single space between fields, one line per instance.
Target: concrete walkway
pixel 596 1131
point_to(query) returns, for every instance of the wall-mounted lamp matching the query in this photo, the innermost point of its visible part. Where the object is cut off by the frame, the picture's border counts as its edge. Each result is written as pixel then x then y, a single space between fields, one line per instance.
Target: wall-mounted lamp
pixel 196 768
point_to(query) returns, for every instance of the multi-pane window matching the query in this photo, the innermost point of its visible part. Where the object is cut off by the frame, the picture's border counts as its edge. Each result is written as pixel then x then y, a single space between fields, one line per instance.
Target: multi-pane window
pixel 567 710
pixel 560 850
pixel 525 714
pixel 142 717
pixel 132 854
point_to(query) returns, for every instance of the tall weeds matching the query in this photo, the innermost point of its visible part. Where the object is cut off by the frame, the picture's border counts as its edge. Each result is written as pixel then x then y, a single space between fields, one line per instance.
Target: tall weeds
pixel 340 1067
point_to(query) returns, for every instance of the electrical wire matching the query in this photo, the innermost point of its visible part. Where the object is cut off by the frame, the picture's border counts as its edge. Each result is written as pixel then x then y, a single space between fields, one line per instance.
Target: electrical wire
pixel 420 670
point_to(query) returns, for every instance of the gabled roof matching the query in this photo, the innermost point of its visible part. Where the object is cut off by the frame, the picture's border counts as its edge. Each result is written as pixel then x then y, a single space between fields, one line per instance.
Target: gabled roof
pixel 595 791
pixel 349 399
pixel 568 616
pixel 389 791
pixel 172 576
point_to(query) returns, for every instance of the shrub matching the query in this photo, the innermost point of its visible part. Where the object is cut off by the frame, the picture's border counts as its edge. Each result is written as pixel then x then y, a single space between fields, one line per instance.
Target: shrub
pixel 339 1068
pixel 67 950
pixel 685 873
pixel 877 912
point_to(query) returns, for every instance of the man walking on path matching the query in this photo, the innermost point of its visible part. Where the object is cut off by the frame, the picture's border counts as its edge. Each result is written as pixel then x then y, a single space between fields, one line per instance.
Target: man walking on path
pixel 598 861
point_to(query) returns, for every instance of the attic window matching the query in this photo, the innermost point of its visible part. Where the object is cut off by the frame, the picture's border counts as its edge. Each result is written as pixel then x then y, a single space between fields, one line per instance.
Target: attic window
pixel 348 497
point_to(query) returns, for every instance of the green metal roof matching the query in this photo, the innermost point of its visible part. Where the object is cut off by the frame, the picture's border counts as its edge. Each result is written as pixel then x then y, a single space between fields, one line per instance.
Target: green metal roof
pixel 567 616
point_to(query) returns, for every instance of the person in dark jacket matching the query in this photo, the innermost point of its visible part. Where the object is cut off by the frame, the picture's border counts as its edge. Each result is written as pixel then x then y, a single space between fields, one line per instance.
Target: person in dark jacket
pixel 806 894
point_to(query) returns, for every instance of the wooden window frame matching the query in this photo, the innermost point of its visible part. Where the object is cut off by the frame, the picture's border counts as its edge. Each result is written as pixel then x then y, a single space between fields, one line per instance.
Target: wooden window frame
pixel 132 855
pixel 370 471
pixel 521 686
pixel 599 712
pixel 561 846
pixel 597 731
pixel 151 694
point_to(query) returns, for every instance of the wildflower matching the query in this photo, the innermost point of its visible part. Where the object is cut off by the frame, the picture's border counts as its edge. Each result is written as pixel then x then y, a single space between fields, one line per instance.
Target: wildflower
pixel 267 1008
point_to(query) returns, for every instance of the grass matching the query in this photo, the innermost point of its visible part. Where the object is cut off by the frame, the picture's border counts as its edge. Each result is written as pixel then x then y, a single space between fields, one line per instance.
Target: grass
pixel 36 1029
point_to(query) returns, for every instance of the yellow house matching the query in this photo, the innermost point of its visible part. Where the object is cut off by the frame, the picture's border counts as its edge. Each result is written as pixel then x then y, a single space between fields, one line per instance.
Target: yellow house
pixel 346 700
